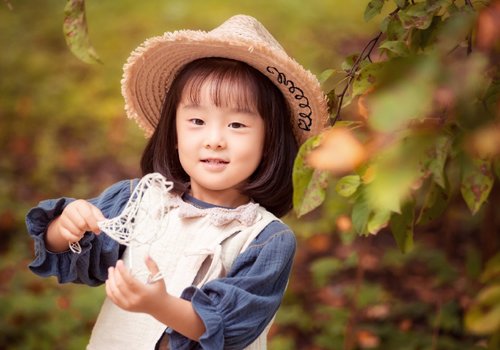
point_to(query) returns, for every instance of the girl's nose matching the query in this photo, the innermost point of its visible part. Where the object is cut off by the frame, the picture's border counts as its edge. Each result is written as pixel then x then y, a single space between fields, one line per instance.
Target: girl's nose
pixel 215 140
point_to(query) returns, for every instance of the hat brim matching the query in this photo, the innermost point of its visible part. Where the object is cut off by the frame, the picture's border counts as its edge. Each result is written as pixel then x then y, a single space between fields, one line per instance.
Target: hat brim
pixel 151 68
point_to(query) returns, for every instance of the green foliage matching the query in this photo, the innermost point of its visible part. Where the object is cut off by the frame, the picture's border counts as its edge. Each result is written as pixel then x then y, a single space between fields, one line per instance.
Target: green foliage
pixel 424 104
pixel 427 100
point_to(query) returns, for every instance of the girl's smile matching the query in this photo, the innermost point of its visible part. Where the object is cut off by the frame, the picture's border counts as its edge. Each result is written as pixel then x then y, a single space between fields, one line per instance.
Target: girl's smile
pixel 219 147
pixel 215 164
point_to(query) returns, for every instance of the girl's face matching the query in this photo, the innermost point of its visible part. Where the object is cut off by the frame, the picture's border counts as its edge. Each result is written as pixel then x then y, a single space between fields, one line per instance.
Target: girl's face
pixel 219 146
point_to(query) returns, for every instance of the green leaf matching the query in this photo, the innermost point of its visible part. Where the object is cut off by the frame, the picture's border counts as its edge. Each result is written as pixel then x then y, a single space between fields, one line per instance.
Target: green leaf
pixel 348 63
pixel 439 155
pixel 367 78
pixel 484 316
pixel 395 30
pixel 348 185
pixel 373 8
pixel 416 16
pixel 360 213
pixel 492 270
pixel 424 39
pixel 477 181
pixel 399 48
pixel 402 227
pixel 76 32
pixel 434 6
pixel 378 220
pixel 385 24
pixel 333 102
pixel 436 201
pixel 325 75
pixel 309 184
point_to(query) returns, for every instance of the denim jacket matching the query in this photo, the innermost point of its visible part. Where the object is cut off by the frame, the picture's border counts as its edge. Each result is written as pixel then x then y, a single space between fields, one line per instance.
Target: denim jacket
pixel 235 309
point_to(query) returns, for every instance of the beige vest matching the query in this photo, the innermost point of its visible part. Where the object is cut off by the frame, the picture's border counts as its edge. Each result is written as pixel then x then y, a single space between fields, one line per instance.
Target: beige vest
pixel 192 253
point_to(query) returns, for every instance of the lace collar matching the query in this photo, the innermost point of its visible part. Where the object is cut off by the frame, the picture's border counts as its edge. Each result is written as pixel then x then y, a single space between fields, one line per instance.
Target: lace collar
pixel 190 207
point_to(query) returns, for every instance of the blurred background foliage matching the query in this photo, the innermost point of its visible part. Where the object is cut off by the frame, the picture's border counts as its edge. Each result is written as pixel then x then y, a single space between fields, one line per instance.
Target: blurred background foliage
pixel 63 131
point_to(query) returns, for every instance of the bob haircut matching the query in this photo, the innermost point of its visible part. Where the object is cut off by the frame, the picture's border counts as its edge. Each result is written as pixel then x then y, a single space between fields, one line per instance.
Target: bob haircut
pixel 271 183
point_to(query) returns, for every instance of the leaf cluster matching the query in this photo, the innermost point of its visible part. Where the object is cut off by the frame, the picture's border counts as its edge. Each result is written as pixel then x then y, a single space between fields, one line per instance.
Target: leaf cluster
pixel 422 98
pixel 427 116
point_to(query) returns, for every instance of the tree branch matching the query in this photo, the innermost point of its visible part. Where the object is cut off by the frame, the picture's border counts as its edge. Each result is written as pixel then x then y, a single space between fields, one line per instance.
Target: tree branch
pixel 365 54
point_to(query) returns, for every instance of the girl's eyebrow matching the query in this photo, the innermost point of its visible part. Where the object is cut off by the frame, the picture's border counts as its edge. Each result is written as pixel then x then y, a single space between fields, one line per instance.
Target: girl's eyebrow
pixel 243 111
pixel 239 110
pixel 190 105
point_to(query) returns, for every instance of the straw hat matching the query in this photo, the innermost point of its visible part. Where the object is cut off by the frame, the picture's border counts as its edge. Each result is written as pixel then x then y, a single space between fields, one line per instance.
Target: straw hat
pixel 151 68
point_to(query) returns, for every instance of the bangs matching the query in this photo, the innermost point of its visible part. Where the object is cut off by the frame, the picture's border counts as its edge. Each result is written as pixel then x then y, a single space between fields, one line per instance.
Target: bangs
pixel 229 86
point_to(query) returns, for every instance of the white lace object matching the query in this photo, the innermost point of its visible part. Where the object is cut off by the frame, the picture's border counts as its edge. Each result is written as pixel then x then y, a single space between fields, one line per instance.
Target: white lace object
pixel 142 218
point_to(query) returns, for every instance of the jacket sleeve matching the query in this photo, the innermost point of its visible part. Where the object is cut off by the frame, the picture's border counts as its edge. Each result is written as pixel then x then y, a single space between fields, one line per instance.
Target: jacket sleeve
pixel 98 251
pixel 237 308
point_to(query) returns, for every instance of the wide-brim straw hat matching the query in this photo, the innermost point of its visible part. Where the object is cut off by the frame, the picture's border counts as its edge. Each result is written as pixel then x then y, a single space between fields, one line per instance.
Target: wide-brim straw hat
pixel 151 68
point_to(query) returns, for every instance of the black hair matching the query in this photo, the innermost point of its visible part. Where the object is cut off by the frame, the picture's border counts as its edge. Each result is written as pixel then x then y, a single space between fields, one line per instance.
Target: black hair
pixel 271 183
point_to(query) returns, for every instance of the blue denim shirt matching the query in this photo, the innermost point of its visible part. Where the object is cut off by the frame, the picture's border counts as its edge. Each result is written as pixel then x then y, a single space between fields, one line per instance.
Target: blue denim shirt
pixel 235 309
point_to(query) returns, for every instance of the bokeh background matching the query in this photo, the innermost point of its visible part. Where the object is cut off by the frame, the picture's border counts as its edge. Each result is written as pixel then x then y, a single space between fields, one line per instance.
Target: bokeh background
pixel 63 131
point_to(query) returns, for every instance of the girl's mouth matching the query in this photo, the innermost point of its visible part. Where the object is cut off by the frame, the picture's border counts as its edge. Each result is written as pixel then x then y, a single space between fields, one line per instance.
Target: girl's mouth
pixel 214 161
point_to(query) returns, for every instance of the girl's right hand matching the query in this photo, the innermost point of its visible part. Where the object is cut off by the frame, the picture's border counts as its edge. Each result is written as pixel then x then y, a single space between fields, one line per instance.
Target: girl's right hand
pixel 77 218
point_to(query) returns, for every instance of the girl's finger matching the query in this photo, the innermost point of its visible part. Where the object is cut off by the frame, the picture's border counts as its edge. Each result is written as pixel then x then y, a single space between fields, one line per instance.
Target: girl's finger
pixel 129 286
pixel 151 265
pixel 109 292
pixel 72 217
pixel 154 272
pixel 87 214
pixel 113 290
pixel 70 226
pixel 70 236
pixel 98 216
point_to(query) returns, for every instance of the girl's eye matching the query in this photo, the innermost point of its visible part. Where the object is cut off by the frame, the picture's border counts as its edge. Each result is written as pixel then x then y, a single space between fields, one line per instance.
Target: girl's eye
pixel 236 125
pixel 196 121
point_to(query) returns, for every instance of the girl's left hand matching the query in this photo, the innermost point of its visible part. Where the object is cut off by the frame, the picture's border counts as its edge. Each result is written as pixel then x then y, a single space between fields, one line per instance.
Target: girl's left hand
pixel 131 294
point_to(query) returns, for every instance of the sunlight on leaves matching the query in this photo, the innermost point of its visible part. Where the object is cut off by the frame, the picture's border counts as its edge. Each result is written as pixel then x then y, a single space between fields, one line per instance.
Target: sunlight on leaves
pixel 339 152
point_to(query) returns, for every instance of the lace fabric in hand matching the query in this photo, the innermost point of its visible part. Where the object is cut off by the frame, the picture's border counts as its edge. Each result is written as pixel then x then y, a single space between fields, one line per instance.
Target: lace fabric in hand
pixel 143 219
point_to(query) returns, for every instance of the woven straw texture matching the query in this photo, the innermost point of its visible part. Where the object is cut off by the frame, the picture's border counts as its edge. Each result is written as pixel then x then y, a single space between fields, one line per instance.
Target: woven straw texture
pixel 151 68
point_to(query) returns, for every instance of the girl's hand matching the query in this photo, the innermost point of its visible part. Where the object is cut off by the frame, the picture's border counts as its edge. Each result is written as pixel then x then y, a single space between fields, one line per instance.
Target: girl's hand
pixel 131 294
pixel 77 218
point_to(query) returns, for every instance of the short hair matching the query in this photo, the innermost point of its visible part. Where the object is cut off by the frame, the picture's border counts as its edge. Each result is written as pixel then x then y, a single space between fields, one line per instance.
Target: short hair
pixel 271 183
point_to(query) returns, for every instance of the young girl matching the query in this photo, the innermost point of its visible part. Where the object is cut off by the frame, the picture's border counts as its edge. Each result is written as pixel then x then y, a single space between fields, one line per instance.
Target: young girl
pixel 225 111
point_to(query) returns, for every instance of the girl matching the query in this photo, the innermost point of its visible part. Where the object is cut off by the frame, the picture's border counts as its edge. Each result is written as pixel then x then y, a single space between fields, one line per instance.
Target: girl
pixel 226 111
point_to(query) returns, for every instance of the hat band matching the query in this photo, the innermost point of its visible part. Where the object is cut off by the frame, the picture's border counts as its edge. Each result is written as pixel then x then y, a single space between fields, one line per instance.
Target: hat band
pixel 304 118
